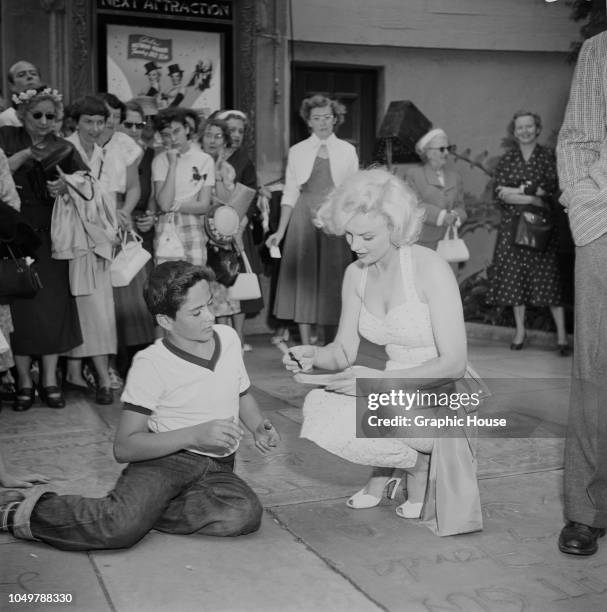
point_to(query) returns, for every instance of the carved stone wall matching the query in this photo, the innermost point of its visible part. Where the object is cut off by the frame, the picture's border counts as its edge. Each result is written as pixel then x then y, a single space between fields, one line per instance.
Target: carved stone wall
pixel 245 60
pixel 81 53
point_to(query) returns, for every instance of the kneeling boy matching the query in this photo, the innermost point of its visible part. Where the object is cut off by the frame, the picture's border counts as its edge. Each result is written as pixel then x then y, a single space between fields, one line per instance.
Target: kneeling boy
pixel 179 432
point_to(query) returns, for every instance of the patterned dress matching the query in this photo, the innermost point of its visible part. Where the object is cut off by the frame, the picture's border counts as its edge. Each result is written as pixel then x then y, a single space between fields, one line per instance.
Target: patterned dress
pixel 520 275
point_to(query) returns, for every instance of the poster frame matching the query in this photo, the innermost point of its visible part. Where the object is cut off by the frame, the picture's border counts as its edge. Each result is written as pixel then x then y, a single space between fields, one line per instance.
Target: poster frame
pixel 225 29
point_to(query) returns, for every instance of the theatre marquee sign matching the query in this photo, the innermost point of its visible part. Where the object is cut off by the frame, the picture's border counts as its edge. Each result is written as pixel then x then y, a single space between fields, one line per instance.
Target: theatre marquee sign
pixel 177 8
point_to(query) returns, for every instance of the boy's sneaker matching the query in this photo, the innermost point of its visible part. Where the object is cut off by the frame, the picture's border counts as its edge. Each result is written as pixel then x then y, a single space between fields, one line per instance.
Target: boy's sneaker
pixel 115 381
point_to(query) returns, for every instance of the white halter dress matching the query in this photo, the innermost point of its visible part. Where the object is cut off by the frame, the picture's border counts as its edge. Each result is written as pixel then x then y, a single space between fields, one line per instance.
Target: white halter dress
pixel 406 332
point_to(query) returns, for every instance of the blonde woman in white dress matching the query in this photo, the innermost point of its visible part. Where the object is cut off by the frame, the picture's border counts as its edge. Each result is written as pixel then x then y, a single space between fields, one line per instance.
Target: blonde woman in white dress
pixel 400 295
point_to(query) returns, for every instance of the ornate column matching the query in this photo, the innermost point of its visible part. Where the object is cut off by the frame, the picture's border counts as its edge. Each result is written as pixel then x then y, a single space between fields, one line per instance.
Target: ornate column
pixel 245 60
pixel 80 49
pixel 57 43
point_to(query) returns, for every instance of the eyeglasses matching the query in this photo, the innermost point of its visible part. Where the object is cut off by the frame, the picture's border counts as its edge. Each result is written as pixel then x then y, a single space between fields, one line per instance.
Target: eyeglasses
pixel 449 149
pixel 38 115
pixel 129 125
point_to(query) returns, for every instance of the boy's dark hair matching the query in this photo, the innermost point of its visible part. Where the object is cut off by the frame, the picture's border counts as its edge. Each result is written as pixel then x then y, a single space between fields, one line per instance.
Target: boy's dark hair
pixel 88 105
pixel 113 102
pixel 169 283
pixel 166 116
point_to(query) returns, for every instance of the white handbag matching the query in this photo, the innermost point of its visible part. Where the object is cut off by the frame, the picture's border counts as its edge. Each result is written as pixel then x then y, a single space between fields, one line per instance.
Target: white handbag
pixel 246 286
pixel 129 261
pixel 168 243
pixel 452 248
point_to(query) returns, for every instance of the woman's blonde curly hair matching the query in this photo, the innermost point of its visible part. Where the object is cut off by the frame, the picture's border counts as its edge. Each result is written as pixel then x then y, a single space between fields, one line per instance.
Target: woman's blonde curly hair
pixel 374 191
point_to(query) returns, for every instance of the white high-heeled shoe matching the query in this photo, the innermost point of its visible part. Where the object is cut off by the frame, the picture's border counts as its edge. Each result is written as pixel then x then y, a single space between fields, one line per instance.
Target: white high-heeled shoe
pixel 361 500
pixel 410 509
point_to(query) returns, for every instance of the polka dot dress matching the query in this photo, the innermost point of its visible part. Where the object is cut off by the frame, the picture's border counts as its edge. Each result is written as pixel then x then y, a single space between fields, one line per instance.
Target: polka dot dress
pixel 520 275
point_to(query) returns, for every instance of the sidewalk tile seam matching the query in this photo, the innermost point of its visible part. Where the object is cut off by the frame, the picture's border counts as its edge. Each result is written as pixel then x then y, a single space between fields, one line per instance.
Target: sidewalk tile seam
pixel 326 561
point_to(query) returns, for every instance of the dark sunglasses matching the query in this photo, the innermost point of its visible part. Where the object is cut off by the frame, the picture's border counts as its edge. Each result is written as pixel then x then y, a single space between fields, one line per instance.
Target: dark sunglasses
pixel 450 148
pixel 130 125
pixel 38 115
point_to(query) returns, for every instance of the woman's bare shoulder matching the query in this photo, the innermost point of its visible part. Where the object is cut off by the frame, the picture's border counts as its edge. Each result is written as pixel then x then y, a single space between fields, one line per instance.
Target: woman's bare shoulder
pixel 353 275
pixel 354 271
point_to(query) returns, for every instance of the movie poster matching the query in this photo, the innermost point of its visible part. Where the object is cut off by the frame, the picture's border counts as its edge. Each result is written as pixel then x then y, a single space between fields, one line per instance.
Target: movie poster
pixel 168 68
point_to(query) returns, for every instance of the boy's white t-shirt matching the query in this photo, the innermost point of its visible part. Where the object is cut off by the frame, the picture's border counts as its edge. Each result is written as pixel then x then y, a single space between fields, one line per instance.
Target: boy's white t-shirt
pixel 176 389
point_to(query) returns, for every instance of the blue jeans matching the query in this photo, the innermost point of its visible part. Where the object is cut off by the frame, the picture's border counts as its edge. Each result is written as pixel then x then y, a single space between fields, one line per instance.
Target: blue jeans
pixel 181 493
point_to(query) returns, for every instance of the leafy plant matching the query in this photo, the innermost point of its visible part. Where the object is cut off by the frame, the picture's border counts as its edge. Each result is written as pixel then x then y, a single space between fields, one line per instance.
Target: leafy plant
pixel 595 16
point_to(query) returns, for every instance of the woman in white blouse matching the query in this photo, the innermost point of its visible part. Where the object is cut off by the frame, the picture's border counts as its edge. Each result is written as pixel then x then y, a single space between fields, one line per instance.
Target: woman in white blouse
pixel 313 262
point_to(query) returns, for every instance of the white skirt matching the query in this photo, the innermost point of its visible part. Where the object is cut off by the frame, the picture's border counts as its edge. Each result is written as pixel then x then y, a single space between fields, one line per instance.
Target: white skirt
pixel 330 422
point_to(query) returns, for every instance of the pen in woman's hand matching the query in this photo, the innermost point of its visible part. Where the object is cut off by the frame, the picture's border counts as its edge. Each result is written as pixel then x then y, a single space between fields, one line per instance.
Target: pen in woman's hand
pixel 299 365
pixel 286 351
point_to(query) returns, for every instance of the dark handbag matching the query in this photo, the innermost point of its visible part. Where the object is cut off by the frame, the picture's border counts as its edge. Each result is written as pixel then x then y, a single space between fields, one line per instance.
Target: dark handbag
pixel 256 226
pixel 18 279
pixel 225 262
pixel 53 152
pixel 534 228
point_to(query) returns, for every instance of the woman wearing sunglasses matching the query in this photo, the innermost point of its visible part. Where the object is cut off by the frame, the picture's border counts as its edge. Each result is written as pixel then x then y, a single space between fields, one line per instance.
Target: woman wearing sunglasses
pixel 46 324
pixel 439 189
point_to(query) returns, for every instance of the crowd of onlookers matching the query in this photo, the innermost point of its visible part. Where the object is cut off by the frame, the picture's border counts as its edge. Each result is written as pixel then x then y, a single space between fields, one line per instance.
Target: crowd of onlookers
pixel 151 175
pixel 161 178
pixel 162 174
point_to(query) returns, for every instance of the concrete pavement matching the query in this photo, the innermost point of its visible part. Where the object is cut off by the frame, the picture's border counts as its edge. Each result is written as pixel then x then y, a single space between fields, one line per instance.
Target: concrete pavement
pixel 312 552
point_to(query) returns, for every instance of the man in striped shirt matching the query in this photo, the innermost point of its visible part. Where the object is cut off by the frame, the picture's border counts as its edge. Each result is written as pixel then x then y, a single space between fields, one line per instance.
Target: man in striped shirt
pixel 582 168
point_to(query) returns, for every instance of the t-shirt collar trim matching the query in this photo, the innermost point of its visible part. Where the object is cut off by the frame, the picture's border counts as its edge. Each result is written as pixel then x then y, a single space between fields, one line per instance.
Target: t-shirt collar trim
pixel 209 364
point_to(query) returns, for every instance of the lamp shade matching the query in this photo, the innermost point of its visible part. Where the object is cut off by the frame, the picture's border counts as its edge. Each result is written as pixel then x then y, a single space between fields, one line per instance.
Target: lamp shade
pixel 404 122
